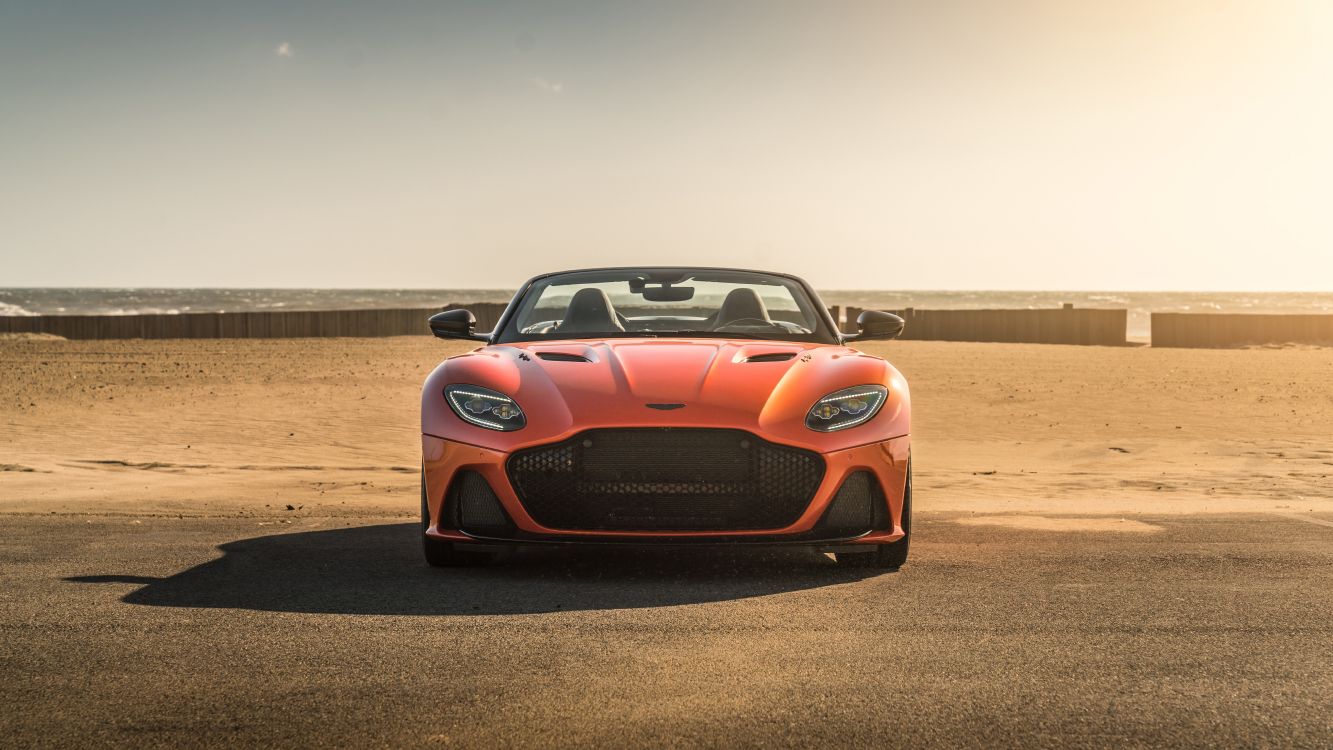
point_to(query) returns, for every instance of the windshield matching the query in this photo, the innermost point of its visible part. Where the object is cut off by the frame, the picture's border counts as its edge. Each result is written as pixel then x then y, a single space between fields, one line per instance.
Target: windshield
pixel 661 302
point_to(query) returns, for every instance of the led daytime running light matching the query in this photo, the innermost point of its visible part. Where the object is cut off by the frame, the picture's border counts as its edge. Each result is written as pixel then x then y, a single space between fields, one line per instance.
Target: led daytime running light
pixel 481 406
pixel 846 408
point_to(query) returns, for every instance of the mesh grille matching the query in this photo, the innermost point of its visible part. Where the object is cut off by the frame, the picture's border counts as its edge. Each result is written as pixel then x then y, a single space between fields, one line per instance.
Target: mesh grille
pixel 852 509
pixel 475 504
pixel 665 479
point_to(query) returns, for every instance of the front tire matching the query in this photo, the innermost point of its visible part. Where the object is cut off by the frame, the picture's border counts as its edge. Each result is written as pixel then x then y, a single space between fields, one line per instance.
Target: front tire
pixel 442 554
pixel 886 556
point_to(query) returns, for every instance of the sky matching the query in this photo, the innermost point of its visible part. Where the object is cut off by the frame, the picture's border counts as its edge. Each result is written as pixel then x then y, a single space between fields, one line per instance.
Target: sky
pixel 930 144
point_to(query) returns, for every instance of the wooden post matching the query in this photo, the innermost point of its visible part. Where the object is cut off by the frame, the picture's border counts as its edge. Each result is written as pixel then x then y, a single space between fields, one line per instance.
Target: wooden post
pixel 849 325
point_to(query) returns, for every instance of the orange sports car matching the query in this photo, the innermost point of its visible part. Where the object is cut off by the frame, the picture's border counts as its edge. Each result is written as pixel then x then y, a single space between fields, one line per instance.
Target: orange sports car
pixel 666 406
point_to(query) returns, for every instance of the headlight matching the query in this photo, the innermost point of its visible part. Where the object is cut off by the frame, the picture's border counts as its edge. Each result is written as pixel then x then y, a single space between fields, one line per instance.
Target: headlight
pixel 484 407
pixel 846 408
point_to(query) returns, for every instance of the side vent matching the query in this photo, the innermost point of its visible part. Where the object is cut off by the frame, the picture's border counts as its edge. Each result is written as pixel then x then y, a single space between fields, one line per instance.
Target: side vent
pixel 471 505
pixel 858 506
pixel 562 357
pixel 774 357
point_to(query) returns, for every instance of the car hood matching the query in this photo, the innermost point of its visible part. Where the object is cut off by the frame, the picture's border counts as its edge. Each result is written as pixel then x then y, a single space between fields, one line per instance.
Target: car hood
pixel 568 386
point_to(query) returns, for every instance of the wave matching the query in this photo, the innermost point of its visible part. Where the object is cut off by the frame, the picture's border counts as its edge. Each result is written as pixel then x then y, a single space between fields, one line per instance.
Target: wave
pixel 143 311
pixel 7 309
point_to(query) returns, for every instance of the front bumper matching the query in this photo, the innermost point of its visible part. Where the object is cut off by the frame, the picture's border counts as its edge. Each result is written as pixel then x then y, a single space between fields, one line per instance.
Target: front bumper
pixel 886 460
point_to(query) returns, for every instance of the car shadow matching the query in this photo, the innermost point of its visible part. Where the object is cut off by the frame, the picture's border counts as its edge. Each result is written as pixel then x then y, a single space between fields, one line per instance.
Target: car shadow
pixel 379 570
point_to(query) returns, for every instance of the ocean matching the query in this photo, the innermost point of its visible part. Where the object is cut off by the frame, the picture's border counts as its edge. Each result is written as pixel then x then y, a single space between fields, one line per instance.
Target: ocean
pixel 89 301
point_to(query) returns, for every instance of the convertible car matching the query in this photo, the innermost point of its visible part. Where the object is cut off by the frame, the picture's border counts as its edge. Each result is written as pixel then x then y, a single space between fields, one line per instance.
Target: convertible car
pixel 666 406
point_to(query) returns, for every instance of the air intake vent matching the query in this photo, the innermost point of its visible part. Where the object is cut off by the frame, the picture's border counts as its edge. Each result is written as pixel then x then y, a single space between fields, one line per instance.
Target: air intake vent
pixel 473 506
pixel 774 357
pixel 858 506
pixel 562 357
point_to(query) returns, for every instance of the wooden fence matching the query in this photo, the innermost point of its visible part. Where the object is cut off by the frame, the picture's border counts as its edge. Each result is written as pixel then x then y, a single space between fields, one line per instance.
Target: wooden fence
pixel 1051 326
pixel 1056 326
pixel 1223 330
pixel 1065 325
pixel 267 324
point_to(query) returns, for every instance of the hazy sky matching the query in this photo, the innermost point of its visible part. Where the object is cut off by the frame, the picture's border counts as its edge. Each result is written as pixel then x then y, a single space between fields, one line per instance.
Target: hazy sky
pixel 942 144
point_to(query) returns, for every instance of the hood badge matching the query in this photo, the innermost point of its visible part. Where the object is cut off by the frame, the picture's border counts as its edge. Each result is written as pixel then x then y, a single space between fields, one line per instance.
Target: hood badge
pixel 665 407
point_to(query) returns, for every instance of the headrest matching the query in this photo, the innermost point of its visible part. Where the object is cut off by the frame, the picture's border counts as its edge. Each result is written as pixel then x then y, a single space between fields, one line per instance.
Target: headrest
pixel 589 311
pixel 742 303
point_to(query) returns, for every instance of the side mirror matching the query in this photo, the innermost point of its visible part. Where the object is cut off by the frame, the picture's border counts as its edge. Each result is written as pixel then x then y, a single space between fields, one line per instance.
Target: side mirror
pixel 454 324
pixel 874 324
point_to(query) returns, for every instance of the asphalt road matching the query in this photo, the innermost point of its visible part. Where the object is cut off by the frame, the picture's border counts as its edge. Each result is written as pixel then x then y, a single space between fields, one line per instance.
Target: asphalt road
pixel 1189 631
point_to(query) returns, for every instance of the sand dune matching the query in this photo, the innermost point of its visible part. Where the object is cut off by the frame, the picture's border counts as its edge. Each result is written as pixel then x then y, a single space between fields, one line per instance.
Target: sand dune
pixel 329 427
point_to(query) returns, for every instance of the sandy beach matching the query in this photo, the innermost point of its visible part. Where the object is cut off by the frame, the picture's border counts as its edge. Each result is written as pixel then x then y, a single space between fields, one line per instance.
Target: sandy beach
pixel 329 426
pixel 216 542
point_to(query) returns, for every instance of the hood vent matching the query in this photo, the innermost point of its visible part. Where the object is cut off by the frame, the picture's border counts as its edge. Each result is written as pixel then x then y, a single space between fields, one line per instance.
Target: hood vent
pixel 774 357
pixel 562 357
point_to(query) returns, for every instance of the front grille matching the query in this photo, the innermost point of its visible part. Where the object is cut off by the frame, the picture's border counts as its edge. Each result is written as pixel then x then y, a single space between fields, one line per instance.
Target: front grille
pixel 665 479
